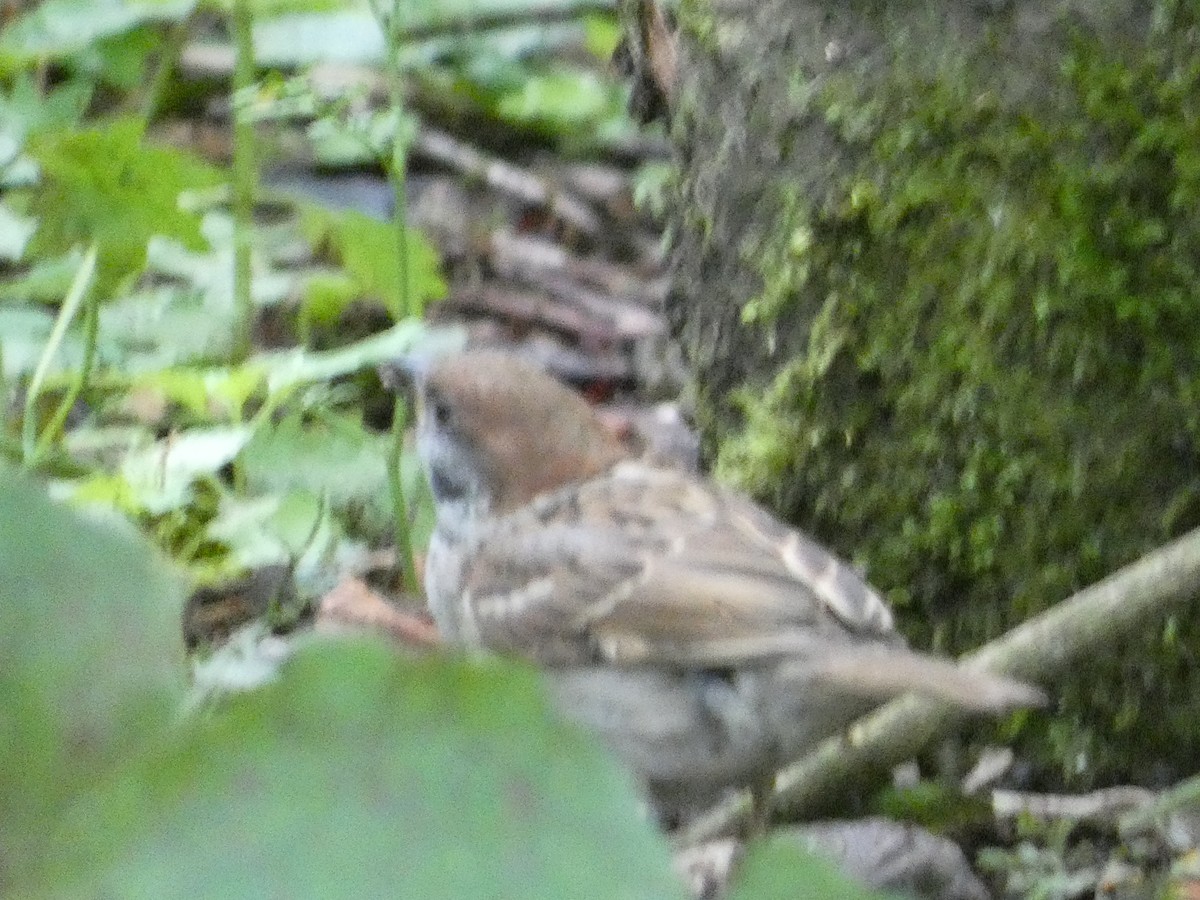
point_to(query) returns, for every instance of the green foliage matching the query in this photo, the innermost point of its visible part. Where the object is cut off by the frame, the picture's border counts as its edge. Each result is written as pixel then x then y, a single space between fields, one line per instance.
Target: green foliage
pixel 367 249
pixel 26 110
pixel 91 658
pixel 335 457
pixel 996 403
pixel 354 774
pixel 104 184
pixel 565 99
pixel 357 775
pixel 777 869
pixel 25 333
pixel 55 29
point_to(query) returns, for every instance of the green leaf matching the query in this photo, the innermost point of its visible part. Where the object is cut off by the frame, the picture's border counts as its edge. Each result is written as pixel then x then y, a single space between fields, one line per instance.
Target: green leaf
pixel 353 36
pixel 105 185
pixel 211 394
pixel 565 98
pixel 122 61
pixel 332 455
pixel 288 368
pixel 27 108
pixel 602 34
pixel 367 250
pixel 777 868
pixel 358 774
pixel 161 476
pixel 15 232
pixel 45 281
pixel 336 457
pixel 53 29
pixel 91 658
pixel 23 334
pixel 270 530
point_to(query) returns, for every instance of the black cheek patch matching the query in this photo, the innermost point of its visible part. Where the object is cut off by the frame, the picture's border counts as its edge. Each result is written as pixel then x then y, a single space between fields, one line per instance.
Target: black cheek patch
pixel 445 486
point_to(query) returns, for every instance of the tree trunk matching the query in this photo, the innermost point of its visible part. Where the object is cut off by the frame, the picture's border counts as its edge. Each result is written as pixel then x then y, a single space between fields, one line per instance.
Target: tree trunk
pixel 937 271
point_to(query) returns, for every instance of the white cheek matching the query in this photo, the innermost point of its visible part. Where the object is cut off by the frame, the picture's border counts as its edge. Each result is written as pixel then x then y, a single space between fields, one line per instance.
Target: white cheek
pixel 455 475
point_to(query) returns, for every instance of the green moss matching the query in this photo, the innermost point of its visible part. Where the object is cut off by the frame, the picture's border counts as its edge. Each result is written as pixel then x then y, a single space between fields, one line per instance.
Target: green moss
pixel 997 404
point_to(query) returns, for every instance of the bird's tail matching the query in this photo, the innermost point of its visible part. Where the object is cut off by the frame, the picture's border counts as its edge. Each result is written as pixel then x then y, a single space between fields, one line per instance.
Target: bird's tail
pixel 883 674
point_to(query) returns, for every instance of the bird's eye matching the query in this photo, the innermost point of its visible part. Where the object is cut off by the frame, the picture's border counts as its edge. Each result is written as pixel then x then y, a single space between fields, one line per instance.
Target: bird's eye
pixel 441 412
pixel 437 409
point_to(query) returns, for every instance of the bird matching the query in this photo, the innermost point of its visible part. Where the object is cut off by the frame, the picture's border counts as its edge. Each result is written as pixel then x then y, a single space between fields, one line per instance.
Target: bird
pixel 704 641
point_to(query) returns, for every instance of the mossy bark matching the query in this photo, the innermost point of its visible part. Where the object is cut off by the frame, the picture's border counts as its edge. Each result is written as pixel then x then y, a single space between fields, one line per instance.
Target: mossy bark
pixel 937 269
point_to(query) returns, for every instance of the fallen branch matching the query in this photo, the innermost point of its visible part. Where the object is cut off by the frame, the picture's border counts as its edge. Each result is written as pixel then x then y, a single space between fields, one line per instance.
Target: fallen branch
pixel 1040 649
pixel 1105 808
pixel 507 179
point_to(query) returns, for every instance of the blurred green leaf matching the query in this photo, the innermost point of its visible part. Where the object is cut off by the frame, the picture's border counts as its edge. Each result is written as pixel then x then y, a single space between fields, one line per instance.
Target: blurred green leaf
pixel 24 331
pixel 326 296
pixel 27 108
pixel 15 232
pixel 336 457
pixel 777 869
pixel 53 29
pixel 213 394
pixel 269 530
pixel 367 250
pixel 105 185
pixel 353 36
pixel 563 98
pixel 161 476
pixel 329 454
pixel 603 33
pixel 91 659
pixel 122 61
pixel 359 775
pixel 289 368
pixel 45 281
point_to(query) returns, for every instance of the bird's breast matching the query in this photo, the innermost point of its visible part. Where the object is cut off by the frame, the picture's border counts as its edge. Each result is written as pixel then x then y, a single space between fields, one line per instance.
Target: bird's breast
pixel 444 576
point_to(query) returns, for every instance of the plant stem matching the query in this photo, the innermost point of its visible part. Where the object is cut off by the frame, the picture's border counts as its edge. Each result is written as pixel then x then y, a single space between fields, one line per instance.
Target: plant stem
pixel 74 299
pixel 152 96
pixel 398 169
pixel 54 429
pixel 403 534
pixel 245 177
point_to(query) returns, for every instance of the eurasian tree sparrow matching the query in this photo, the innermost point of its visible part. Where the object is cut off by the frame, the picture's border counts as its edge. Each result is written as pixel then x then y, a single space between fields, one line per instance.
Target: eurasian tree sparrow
pixel 703 640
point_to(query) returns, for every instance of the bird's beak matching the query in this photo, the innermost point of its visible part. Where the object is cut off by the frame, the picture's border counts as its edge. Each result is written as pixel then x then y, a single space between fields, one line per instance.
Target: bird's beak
pixel 404 373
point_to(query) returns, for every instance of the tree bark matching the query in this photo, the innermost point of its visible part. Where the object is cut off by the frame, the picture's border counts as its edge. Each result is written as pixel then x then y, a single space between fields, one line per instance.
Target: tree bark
pixel 935 271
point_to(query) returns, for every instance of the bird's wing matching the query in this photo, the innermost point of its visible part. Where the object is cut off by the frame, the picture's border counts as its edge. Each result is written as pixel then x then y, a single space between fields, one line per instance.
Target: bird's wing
pixel 652 565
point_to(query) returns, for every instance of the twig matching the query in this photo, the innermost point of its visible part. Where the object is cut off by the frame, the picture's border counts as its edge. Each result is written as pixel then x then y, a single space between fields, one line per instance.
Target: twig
pixel 527 256
pixel 1106 807
pixel 525 307
pixel 1181 798
pixel 549 13
pixel 507 179
pixel 548 266
pixel 1041 648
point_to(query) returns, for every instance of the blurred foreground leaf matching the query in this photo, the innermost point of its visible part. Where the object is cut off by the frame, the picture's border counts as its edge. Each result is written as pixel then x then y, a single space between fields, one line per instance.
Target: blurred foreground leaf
pixel 777 868
pixel 91 658
pixel 359 774
pixel 53 29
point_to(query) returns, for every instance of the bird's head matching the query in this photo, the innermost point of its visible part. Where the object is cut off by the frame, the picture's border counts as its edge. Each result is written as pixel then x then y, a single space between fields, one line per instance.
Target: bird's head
pixel 494 431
